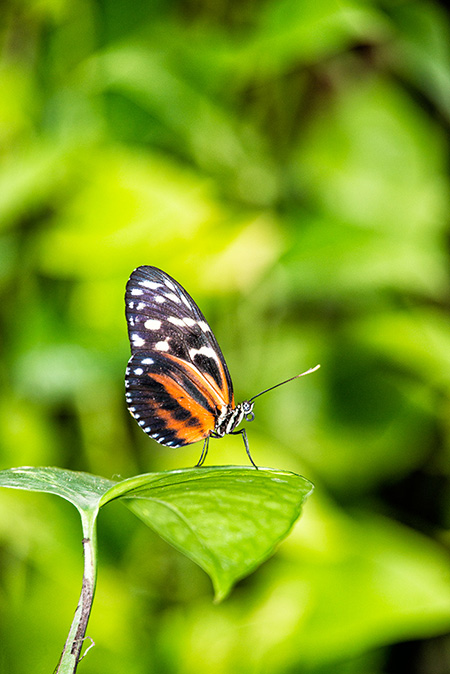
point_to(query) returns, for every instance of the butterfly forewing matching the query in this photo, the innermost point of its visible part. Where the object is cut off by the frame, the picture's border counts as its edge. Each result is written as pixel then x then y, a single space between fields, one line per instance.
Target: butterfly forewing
pixel 177 379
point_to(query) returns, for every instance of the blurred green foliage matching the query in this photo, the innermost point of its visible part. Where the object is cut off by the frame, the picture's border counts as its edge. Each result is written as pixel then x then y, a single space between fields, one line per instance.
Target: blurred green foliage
pixel 287 162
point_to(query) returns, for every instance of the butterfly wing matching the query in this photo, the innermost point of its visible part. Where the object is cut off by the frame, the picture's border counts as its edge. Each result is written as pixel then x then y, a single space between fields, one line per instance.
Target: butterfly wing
pixel 177 380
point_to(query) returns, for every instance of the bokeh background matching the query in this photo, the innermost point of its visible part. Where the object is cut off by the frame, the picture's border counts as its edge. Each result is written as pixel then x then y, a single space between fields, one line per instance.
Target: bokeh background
pixel 287 162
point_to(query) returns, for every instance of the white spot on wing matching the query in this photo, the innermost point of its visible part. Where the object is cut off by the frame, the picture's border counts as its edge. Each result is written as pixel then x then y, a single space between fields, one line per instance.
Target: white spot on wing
pixel 190 322
pixel 152 324
pixel 148 361
pixel 204 326
pixel 139 371
pixel 159 299
pixel 137 340
pixel 170 285
pixel 152 285
pixel 173 297
pixel 137 291
pixel 140 306
pixel 186 301
pixel 162 346
pixel 204 351
pixel 176 321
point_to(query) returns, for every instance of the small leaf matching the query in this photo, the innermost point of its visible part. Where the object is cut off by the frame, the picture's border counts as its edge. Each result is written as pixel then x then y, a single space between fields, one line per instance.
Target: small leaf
pixel 228 519
pixel 83 490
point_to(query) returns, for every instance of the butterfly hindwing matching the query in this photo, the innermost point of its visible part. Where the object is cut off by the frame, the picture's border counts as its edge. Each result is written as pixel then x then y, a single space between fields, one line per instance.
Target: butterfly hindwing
pixel 177 379
pixel 167 404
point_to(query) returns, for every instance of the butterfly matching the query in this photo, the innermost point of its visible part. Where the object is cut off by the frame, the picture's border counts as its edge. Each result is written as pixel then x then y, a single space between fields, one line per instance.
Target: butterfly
pixel 178 387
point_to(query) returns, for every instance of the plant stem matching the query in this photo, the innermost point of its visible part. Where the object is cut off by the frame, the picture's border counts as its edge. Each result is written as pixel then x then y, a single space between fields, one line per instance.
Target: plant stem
pixel 70 655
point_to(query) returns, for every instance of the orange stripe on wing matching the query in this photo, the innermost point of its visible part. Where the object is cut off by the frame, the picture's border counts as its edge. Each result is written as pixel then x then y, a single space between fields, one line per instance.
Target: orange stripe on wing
pixel 216 396
pixel 201 422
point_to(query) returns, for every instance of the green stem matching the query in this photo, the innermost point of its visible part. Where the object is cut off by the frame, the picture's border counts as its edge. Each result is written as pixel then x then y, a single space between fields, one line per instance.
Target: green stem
pixel 70 655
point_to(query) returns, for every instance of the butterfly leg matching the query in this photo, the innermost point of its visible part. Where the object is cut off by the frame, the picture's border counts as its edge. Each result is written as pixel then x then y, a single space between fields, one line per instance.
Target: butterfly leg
pixel 247 448
pixel 202 458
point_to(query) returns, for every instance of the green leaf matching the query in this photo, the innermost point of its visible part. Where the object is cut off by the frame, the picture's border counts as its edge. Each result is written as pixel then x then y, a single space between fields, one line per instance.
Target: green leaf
pixel 83 490
pixel 228 520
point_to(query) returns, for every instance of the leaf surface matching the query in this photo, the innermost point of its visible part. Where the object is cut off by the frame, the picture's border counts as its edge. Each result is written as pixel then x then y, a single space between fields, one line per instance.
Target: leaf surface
pixel 227 519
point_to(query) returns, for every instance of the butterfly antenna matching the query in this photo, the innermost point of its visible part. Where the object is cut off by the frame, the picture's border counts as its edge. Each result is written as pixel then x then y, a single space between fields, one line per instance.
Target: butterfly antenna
pixel 302 374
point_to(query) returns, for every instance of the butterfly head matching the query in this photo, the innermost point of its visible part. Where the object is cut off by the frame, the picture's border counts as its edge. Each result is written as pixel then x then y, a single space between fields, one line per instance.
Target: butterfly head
pixel 247 408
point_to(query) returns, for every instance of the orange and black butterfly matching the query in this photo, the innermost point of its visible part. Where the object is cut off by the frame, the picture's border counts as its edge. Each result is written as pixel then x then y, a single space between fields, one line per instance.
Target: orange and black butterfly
pixel 178 387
